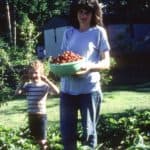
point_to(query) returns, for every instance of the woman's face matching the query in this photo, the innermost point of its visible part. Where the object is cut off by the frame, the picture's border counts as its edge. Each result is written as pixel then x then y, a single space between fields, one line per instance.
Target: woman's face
pixel 84 17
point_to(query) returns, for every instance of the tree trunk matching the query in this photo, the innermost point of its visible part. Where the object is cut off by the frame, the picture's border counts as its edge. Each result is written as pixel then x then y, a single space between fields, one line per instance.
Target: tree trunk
pixel 8 22
pixel 14 26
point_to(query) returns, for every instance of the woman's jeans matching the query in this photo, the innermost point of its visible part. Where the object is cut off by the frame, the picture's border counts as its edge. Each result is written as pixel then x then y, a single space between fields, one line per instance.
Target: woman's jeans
pixel 89 106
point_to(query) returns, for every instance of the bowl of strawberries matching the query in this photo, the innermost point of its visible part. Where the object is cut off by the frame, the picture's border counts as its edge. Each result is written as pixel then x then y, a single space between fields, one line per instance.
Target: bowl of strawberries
pixel 66 64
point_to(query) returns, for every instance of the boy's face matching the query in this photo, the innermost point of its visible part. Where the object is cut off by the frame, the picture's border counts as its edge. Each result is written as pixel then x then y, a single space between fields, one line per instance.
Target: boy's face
pixel 35 74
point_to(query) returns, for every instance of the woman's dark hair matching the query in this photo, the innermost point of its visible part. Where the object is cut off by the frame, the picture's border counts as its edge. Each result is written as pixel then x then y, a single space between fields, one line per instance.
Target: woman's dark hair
pixel 89 5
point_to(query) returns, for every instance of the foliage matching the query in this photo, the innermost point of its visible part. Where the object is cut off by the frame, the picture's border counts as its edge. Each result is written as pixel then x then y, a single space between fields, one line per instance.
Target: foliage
pixel 54 137
pixel 127 7
pixel 12 61
pixel 124 129
pixel 28 36
pixel 40 11
pixel 16 139
pixel 129 130
pixel 4 64
pixel 138 143
pixel 106 75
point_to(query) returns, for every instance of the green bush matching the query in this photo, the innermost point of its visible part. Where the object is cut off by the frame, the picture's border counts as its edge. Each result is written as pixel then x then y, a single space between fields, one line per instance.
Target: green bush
pixel 128 130
pixel 4 64
pixel 14 59
pixel 119 131
pixel 15 139
pixel 106 75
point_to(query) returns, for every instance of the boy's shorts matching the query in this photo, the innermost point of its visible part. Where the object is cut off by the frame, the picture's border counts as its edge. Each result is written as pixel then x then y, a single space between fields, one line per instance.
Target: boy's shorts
pixel 38 125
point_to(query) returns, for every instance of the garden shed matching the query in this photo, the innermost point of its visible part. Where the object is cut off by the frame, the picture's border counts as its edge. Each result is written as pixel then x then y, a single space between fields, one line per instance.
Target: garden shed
pixel 130 45
pixel 53 34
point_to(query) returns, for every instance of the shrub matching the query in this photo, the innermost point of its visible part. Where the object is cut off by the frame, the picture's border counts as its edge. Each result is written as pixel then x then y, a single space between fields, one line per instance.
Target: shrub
pixel 14 139
pixel 115 131
pixel 119 131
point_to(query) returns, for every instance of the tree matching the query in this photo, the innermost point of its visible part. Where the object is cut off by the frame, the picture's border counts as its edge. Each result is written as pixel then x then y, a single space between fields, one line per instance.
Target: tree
pixel 39 11
pixel 126 11
pixel 8 18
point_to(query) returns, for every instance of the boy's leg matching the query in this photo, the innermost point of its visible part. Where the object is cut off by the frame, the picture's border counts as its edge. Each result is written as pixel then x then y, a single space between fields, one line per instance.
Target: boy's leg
pixel 89 107
pixel 68 121
pixel 38 126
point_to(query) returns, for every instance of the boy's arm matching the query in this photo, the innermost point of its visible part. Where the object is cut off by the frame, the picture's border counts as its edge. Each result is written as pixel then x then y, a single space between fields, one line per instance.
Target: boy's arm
pixel 19 89
pixel 51 84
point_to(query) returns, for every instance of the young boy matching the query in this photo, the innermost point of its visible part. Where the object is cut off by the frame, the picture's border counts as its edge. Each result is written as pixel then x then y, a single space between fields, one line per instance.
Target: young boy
pixel 37 87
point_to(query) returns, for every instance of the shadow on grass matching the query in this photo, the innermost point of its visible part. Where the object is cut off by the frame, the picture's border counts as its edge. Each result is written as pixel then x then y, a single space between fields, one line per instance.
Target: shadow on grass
pixel 22 107
pixel 144 87
pixel 15 110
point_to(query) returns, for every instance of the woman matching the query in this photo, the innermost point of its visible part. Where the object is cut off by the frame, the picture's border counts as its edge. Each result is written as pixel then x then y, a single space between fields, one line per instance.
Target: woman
pixel 82 91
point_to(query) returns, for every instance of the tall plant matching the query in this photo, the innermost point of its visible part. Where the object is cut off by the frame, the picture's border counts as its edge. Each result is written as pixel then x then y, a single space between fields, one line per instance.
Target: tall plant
pixel 28 36
pixel 4 64
pixel 42 10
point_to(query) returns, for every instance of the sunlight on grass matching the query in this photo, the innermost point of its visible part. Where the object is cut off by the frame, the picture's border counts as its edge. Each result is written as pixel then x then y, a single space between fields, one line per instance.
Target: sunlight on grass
pixel 119 101
pixel 13 113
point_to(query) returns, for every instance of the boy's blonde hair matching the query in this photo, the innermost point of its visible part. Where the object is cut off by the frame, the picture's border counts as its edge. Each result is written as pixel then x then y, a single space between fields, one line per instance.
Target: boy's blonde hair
pixel 37 64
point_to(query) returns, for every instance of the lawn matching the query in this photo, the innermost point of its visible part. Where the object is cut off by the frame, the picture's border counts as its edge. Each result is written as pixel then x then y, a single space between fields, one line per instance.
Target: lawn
pixel 13 113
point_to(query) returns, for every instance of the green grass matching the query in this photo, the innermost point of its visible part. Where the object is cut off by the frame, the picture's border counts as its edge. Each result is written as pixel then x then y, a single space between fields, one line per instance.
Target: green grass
pixel 13 113
pixel 119 101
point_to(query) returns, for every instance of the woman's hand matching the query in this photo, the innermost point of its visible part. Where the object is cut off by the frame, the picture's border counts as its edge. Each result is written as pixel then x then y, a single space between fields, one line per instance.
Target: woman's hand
pixel 83 70
pixel 96 67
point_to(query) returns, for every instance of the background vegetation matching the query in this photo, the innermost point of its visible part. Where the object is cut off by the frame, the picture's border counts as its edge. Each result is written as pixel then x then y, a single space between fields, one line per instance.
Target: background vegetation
pixel 124 122
pixel 20 31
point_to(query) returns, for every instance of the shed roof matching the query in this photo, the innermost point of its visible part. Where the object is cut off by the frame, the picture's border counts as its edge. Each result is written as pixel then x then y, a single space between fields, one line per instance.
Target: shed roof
pixel 55 22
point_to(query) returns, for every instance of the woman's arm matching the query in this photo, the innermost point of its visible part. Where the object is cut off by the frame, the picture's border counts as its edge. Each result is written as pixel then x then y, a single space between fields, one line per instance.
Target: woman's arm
pixel 103 64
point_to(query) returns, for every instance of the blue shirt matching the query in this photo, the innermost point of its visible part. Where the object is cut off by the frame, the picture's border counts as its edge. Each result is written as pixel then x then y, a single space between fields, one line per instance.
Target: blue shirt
pixel 36 94
pixel 88 44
